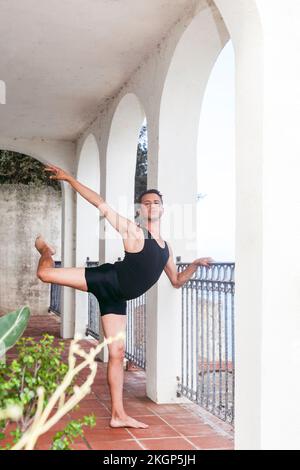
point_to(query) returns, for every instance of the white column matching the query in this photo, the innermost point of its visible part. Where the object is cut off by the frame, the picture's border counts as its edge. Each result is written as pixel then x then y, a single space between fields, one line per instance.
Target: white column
pixel 280 356
pixel 87 223
pixel 67 255
pixel 178 226
pixel 243 22
pixel 268 227
pixel 163 342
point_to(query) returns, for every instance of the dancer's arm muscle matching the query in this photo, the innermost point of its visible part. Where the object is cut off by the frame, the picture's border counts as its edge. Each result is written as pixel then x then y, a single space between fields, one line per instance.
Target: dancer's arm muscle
pixel 120 223
pixel 123 225
pixel 178 279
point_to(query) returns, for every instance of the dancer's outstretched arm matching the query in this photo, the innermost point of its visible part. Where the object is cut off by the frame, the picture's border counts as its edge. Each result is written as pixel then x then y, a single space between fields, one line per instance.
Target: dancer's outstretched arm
pixel 123 225
pixel 179 279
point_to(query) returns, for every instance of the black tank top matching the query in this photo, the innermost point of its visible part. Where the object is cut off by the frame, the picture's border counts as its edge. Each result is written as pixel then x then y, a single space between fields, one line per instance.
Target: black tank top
pixel 137 272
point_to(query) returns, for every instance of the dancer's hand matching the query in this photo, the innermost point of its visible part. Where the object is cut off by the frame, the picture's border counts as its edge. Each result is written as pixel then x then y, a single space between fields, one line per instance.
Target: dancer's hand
pixel 203 262
pixel 59 173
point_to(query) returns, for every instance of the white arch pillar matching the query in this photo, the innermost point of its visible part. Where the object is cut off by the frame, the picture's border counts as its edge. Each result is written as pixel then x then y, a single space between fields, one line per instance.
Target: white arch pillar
pixel 245 29
pixel 274 241
pixel 67 324
pixel 268 229
pixel 87 223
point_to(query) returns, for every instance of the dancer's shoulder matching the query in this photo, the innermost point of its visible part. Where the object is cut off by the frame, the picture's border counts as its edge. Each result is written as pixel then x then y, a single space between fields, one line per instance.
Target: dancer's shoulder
pixel 136 231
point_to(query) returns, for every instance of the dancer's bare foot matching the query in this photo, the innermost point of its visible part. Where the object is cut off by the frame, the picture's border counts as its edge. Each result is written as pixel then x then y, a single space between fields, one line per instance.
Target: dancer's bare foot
pixel 41 245
pixel 127 422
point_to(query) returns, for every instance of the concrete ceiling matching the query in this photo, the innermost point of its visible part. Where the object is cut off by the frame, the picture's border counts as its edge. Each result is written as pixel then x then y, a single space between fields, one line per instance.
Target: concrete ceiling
pixel 61 58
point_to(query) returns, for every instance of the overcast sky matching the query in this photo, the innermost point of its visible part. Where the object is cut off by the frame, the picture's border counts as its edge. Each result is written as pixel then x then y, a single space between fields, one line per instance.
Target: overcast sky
pixel 216 154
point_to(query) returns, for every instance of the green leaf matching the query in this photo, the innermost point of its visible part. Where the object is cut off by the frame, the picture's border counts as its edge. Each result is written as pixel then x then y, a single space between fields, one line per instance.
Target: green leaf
pixel 12 326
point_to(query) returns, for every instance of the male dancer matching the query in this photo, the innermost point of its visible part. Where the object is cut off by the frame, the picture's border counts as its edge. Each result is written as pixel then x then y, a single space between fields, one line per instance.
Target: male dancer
pixel 113 284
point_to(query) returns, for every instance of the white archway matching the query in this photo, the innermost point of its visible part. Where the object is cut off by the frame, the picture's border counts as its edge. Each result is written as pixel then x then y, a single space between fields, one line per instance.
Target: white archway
pixel 121 164
pixel 184 87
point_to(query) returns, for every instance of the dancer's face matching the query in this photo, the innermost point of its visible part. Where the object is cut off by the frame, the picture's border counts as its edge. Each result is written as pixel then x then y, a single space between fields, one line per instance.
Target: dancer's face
pixel 151 207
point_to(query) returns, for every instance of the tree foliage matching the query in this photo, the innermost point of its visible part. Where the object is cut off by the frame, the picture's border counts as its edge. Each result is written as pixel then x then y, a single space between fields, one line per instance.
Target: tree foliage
pixel 17 168
pixel 141 163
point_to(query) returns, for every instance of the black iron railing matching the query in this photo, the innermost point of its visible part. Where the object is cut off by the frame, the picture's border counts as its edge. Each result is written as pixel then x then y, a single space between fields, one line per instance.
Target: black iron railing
pixel 55 295
pixel 207 347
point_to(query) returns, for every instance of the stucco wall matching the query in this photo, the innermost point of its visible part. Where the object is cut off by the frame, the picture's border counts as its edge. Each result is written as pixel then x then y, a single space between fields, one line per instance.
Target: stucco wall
pixel 25 211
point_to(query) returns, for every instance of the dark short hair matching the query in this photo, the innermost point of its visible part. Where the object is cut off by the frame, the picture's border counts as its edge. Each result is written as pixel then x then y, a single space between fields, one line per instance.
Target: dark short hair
pixel 139 200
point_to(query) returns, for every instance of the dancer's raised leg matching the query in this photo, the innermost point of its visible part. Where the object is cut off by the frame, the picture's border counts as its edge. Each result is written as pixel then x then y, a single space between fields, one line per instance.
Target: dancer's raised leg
pixel 46 272
pixel 112 324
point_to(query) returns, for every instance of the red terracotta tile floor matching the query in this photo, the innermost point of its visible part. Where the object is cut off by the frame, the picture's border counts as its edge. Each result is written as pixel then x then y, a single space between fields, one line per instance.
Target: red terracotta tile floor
pixel 171 426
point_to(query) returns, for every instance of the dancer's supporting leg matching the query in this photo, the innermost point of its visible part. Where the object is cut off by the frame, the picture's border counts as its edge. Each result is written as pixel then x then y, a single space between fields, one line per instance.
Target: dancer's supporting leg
pixel 46 272
pixel 112 324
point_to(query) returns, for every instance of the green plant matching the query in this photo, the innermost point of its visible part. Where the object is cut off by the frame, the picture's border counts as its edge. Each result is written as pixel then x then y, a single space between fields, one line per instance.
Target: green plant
pixel 37 365
pixel 37 382
pixel 63 439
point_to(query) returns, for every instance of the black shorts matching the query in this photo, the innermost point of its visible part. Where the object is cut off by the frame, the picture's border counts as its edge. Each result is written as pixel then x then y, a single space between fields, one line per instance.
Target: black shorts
pixel 102 281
